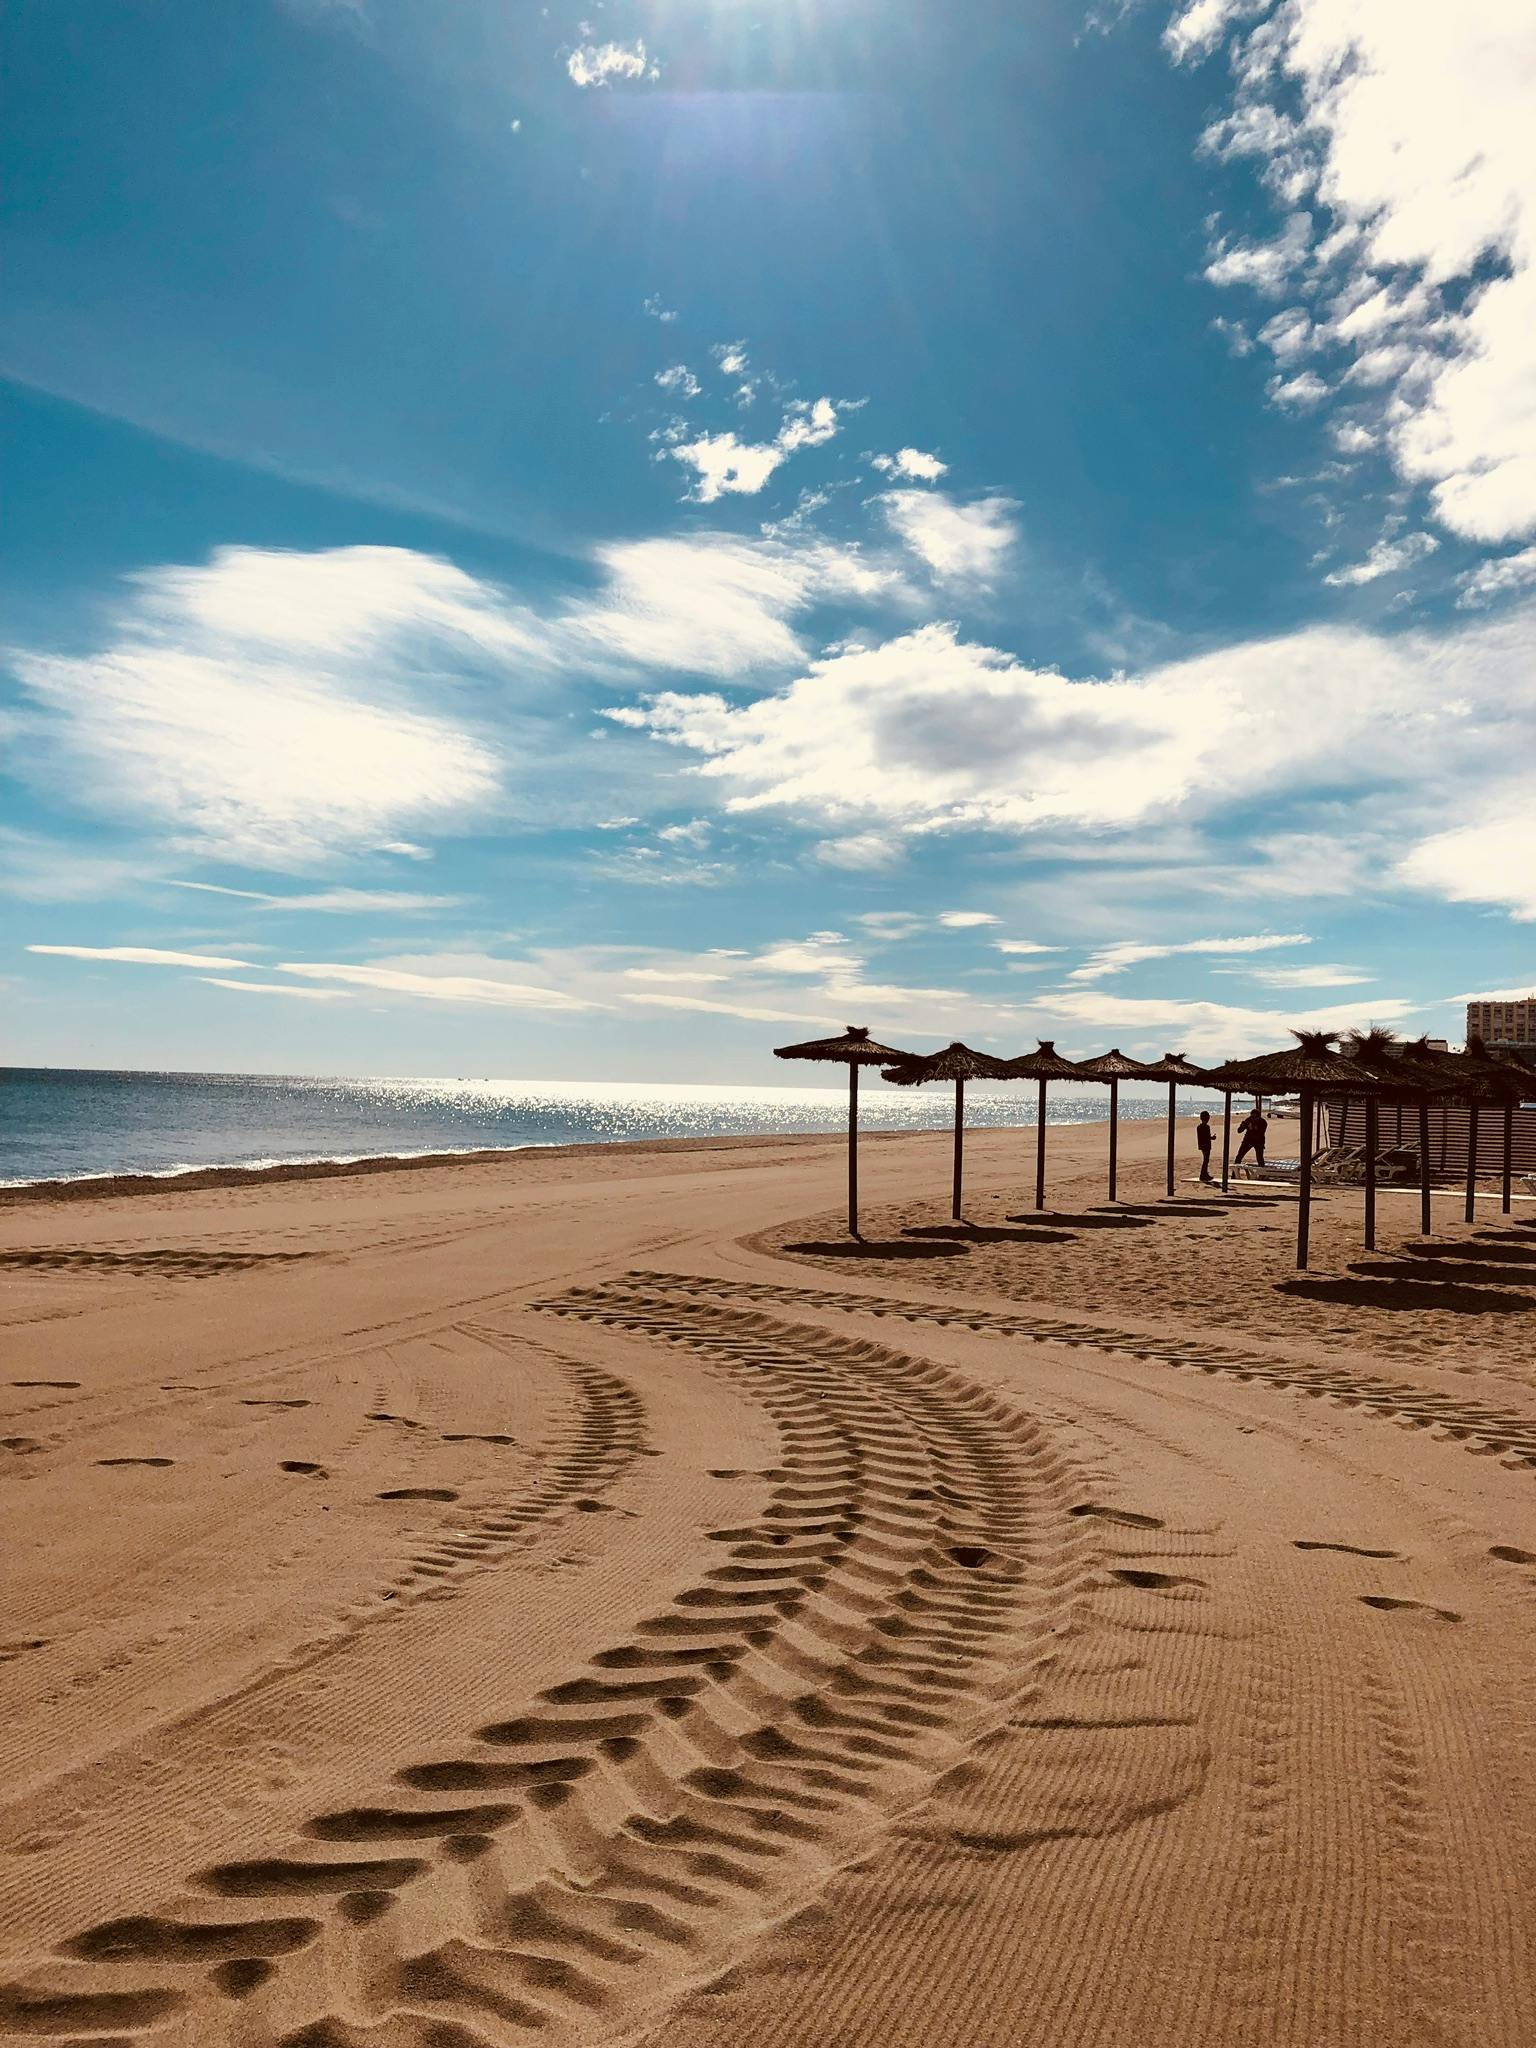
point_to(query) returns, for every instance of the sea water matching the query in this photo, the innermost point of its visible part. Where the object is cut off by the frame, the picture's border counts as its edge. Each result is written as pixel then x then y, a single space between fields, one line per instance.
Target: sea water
pixel 64 1124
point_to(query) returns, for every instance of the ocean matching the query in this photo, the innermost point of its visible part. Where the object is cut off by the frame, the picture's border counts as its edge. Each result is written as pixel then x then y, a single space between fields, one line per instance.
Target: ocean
pixel 58 1123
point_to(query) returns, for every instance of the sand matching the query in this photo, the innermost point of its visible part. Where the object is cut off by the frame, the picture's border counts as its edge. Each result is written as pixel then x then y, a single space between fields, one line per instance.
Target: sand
pixel 569 1598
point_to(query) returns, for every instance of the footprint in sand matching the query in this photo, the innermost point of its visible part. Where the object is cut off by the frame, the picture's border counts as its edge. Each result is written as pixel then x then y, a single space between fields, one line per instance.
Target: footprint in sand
pixel 1126 1518
pixel 45 1383
pixel 136 1461
pixel 22 1446
pixel 1349 1549
pixel 1156 1582
pixel 1386 1604
pixel 1510 1555
pixel 303 1465
pixel 419 1493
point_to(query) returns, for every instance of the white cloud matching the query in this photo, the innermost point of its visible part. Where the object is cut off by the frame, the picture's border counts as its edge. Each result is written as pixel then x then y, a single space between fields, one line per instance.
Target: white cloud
pixel 754 1013
pixel 731 358
pixel 1265 267
pixel 1023 946
pixel 689 974
pixel 929 733
pixel 1116 959
pixel 1498 995
pixel 439 988
pixel 818 955
pixel 1299 393
pixel 1492 579
pixel 261 706
pixel 724 464
pixel 1386 558
pixel 658 311
pixel 1414 133
pixel 1196 29
pixel 713 603
pixel 1350 438
pixel 274 988
pixel 1326 976
pixel 1490 861
pixel 890 924
pixel 912 464
pixel 337 902
pixel 965 920
pixel 601 63
pixel 406 849
pixel 1209 1030
pixel 140 956
pixel 859 851
pixel 338 602
pixel 694 833
pixel 38 869
pixel 959 543
pixel 679 378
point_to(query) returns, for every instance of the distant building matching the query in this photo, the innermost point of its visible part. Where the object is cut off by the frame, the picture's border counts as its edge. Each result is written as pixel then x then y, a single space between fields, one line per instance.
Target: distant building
pixel 1504 1023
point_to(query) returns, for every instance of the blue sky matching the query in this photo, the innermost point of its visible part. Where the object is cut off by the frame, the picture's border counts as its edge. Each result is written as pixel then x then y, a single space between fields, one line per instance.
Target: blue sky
pixel 561 544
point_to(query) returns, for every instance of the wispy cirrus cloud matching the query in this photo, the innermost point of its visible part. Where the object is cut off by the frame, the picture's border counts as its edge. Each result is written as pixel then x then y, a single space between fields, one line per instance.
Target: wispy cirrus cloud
pixel 141 956
pixel 1133 953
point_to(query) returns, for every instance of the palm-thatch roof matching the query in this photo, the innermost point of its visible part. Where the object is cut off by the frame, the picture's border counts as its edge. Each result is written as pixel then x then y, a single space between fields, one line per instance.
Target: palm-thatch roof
pixel 1114 1065
pixel 854 1048
pixel 1045 1065
pixel 1312 1062
pixel 1174 1067
pixel 956 1062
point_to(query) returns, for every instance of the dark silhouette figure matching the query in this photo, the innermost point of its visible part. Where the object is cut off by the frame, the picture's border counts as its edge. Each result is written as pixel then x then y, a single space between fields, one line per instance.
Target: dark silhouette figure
pixel 1253 1127
pixel 1204 1136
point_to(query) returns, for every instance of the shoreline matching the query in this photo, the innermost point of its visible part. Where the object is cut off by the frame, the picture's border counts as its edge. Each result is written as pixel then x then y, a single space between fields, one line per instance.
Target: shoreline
pixel 196 1179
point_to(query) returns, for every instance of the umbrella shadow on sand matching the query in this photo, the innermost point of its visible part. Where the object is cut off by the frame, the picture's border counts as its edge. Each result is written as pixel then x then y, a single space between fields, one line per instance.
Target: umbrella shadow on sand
pixel 1404 1292
pixel 1092 1219
pixel 986 1233
pixel 860 1248
pixel 1516 1255
pixel 1464 1274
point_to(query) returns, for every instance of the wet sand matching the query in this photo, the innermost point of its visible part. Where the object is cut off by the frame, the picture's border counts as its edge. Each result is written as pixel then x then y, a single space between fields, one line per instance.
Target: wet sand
pixel 571 1598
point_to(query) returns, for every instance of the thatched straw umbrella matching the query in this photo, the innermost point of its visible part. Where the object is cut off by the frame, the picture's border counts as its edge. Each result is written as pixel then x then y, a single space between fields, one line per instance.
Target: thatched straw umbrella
pixel 1310 1066
pixel 1522 1070
pixel 1114 1067
pixel 1044 1066
pixel 1179 1073
pixel 957 1063
pixel 1374 1050
pixel 853 1050
pixel 1484 1079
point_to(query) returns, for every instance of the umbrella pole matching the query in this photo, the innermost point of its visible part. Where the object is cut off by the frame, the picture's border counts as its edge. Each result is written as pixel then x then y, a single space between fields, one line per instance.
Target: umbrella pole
pixel 1509 1157
pixel 1471 1209
pixel 1304 1212
pixel 1114 1136
pixel 1170 1137
pixel 959 1147
pixel 1425 1223
pixel 1371 1135
pixel 1040 1146
pixel 853 1148
pixel 1226 1143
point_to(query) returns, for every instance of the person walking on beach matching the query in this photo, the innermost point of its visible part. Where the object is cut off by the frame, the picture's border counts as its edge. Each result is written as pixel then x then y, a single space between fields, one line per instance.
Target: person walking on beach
pixel 1253 1127
pixel 1203 1137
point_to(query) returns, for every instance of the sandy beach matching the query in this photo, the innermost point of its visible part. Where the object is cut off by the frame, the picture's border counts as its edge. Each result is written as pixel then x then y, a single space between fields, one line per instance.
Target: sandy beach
pixel 574 1597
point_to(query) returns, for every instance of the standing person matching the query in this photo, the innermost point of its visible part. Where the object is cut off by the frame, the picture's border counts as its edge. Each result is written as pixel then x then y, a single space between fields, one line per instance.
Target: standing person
pixel 1253 1127
pixel 1203 1138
